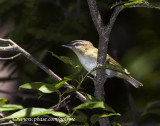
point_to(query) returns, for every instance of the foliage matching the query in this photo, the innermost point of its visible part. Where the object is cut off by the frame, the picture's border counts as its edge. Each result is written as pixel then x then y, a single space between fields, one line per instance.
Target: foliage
pixel 8 107
pixel 32 112
pixel 46 25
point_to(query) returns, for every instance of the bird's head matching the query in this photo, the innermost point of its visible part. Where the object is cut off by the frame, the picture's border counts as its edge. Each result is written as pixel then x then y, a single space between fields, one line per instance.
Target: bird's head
pixel 79 45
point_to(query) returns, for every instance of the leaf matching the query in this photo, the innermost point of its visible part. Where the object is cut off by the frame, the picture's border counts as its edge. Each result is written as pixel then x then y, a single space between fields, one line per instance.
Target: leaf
pixel 76 120
pixel 151 111
pixel 153 104
pixel 115 124
pixel 70 91
pixel 90 98
pixel 94 118
pixel 59 84
pixel 126 4
pixel 2 101
pixel 112 67
pixel 132 2
pixel 73 76
pixel 32 112
pixel 67 60
pixel 106 66
pixel 80 118
pixel 93 105
pixel 157 7
pixel 64 59
pixel 152 108
pixel 118 3
pixel 44 87
pixel 10 107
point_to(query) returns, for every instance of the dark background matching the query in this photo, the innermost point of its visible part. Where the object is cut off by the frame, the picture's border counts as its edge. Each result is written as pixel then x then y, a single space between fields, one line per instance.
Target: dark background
pixel 40 26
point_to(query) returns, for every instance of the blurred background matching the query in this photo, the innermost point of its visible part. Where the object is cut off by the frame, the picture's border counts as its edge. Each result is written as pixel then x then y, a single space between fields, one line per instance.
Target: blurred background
pixel 40 26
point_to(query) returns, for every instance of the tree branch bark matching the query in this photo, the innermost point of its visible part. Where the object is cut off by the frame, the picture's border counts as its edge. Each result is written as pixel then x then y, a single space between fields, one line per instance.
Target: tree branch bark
pixel 104 33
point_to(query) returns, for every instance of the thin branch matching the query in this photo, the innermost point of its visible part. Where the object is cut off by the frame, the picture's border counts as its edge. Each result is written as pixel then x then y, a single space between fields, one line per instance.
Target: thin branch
pixel 131 104
pixel 96 17
pixel 11 58
pixel 150 5
pixel 7 123
pixel 112 21
pixel 8 48
pixel 17 48
pixel 61 101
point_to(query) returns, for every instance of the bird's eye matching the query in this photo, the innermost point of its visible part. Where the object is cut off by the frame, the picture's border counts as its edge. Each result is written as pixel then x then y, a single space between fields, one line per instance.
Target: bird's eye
pixel 77 44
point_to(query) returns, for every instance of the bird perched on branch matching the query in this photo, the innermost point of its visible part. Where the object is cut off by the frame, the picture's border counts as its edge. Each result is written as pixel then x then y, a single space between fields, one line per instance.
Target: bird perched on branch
pixel 87 55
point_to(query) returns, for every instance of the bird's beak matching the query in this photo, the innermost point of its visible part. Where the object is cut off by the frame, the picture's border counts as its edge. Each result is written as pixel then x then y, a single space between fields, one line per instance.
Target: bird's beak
pixel 67 46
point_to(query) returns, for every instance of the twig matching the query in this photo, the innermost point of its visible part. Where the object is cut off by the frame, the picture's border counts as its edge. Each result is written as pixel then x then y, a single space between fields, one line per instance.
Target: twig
pixel 11 58
pixel 112 21
pixel 55 106
pixel 7 123
pixel 96 17
pixel 131 104
pixel 15 47
pixel 150 5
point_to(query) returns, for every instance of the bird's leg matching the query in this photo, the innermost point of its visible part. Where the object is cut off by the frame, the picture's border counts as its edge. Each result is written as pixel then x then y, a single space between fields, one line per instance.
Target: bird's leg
pixel 108 61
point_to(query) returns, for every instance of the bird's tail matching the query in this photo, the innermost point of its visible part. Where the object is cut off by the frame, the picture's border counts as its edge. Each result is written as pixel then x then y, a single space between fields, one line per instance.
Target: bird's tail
pixel 130 79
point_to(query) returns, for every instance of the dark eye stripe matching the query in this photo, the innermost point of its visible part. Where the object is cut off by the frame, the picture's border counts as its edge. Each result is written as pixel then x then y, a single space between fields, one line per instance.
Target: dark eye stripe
pixel 78 42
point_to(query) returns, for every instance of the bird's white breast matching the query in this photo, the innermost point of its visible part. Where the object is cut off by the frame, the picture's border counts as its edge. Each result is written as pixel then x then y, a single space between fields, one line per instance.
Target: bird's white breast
pixel 89 63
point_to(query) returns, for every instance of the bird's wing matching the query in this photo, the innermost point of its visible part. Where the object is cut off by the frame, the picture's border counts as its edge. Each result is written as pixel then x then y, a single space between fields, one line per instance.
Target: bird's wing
pixel 112 61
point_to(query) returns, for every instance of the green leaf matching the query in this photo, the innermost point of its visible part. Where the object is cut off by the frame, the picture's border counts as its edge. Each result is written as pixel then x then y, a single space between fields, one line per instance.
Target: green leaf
pixel 157 7
pixel 152 108
pixel 76 120
pixel 126 4
pixel 80 118
pixel 151 111
pixel 73 76
pixel 10 107
pixel 118 3
pixel 64 59
pixel 93 105
pixel 94 118
pixel 115 124
pixel 32 112
pixel 2 101
pixel 70 91
pixel 112 67
pixel 107 66
pixel 44 87
pixel 67 60
pixel 132 2
pixel 90 98
pixel 153 104
pixel 59 84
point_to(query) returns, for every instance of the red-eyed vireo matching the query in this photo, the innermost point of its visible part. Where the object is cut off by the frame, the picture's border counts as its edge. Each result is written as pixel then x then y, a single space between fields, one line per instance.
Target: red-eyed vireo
pixel 87 55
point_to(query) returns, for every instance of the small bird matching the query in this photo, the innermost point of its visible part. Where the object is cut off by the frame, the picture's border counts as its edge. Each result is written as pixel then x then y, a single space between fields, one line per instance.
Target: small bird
pixel 87 55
